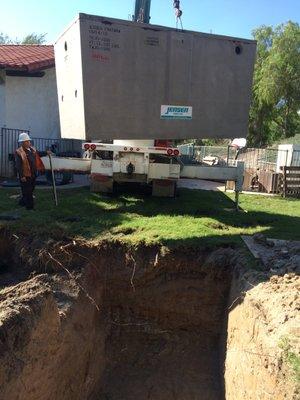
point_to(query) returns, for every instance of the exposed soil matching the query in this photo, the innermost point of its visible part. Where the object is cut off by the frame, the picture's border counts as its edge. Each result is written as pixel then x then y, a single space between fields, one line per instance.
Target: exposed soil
pixel 262 317
pixel 107 322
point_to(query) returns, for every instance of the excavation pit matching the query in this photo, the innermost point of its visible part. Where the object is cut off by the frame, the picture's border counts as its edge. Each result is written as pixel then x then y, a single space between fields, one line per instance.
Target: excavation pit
pixel 108 323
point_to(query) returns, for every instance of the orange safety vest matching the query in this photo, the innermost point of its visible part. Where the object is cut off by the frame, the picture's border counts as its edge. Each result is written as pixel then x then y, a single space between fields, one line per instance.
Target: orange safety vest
pixel 25 163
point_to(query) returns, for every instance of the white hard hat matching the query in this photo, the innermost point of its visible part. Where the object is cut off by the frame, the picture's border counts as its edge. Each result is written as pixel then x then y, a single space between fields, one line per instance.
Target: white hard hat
pixel 23 137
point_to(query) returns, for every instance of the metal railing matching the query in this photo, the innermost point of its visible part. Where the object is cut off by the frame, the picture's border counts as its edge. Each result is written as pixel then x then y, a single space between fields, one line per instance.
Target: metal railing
pixel 262 166
pixel 202 154
pixel 254 158
pixel 262 159
pixel 9 144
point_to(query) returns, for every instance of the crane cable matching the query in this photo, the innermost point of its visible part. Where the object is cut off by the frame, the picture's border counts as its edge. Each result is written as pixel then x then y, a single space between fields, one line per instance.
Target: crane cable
pixel 178 13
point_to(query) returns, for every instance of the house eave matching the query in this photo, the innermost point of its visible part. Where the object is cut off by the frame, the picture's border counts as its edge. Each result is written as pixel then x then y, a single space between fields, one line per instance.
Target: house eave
pixel 25 69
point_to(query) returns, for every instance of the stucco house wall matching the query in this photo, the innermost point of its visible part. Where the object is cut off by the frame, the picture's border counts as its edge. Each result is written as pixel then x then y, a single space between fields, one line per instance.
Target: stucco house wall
pixel 31 103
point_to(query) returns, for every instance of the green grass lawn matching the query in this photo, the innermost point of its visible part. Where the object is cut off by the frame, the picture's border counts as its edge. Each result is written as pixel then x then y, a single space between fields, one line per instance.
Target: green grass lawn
pixel 193 218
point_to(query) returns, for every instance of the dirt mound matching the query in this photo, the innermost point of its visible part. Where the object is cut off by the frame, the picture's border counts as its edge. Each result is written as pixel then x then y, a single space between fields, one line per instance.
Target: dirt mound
pixel 47 344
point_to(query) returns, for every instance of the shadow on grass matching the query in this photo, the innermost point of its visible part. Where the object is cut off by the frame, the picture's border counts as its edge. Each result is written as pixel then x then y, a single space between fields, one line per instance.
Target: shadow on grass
pixel 192 218
pixel 217 209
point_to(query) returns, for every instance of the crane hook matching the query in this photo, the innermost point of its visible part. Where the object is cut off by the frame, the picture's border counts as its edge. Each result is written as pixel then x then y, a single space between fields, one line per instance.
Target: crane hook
pixel 178 13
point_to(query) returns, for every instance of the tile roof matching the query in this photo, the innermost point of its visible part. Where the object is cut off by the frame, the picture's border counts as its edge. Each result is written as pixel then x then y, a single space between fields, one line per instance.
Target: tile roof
pixel 26 57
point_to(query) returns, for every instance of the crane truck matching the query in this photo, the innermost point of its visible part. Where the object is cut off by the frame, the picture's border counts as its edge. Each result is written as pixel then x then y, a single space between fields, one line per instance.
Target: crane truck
pixel 129 89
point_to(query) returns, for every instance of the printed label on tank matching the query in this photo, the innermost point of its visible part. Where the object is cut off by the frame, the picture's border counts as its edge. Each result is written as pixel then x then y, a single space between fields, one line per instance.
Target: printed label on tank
pixel 176 112
pixel 152 41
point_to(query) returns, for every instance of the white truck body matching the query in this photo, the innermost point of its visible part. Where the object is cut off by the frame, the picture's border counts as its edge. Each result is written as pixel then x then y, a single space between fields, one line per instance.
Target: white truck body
pixel 133 161
pixel 125 161
pixel 75 165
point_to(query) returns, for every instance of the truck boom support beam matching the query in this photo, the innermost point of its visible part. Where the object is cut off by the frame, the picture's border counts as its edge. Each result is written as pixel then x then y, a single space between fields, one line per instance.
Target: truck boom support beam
pixel 142 11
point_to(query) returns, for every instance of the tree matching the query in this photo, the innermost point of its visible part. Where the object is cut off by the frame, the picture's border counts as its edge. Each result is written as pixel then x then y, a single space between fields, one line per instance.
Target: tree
pixel 276 88
pixel 32 38
pixel 4 39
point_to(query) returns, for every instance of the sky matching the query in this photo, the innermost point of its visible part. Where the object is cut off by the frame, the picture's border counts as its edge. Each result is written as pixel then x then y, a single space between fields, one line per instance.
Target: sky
pixel 225 17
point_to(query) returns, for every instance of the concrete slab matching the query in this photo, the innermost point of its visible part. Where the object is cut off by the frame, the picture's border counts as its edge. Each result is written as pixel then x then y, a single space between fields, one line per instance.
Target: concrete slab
pixel 274 254
pixel 200 184
pixel 256 193
pixel 78 182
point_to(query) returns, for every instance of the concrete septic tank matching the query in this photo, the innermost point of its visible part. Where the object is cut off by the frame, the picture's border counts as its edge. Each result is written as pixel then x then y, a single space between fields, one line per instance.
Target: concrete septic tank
pixel 123 80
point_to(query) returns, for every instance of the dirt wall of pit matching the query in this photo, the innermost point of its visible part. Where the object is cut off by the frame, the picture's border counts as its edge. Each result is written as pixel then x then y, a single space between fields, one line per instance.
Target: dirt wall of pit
pixel 263 314
pixel 118 325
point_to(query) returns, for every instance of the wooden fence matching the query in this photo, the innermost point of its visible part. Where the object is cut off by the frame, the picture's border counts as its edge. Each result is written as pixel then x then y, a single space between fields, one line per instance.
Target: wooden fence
pixel 290 181
pixel 268 181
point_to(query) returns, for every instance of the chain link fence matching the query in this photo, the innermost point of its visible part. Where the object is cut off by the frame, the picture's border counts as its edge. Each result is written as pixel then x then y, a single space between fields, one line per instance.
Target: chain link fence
pixel 269 159
pixel 262 166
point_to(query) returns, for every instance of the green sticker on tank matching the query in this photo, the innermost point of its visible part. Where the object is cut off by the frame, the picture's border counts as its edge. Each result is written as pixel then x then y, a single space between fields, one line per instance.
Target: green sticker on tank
pixel 176 112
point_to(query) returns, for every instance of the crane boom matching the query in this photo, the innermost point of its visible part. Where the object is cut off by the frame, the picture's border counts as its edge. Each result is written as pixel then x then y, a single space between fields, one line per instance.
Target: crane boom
pixel 142 11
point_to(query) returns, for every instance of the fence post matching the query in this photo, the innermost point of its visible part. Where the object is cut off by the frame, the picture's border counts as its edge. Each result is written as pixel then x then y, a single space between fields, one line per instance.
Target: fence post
pixel 227 166
pixel 240 166
pixel 284 181
pixel 286 157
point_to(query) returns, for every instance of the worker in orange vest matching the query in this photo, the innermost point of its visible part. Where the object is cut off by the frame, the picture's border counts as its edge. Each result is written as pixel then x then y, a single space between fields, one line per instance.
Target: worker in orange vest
pixel 28 163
